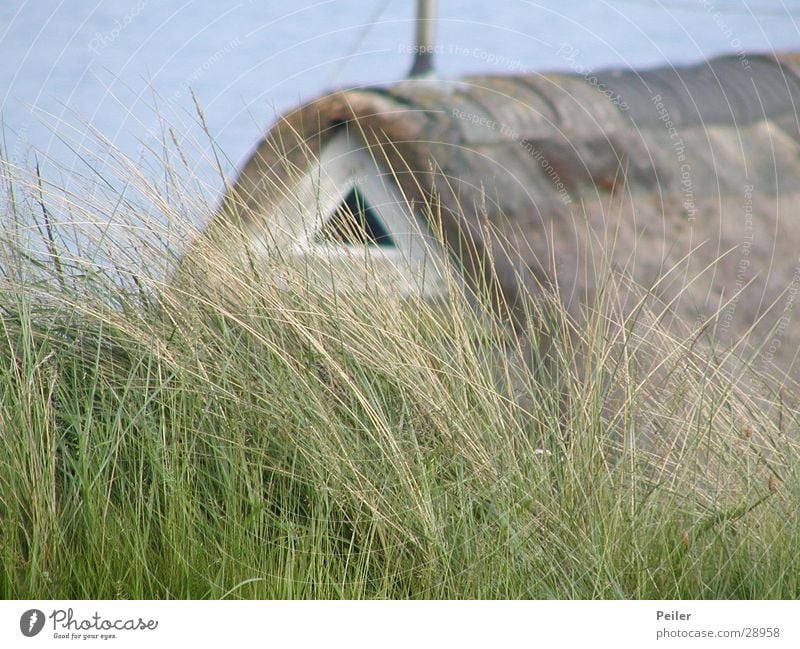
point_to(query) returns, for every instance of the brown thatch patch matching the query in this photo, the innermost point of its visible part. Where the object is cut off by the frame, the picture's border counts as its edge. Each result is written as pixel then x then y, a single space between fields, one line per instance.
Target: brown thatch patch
pixel 685 180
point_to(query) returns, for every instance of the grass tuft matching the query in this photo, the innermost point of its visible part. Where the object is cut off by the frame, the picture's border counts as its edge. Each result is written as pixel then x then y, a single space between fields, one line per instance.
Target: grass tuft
pixel 254 441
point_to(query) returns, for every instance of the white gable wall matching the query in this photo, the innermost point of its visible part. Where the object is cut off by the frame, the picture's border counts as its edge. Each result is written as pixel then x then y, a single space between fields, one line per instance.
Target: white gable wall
pixel 412 265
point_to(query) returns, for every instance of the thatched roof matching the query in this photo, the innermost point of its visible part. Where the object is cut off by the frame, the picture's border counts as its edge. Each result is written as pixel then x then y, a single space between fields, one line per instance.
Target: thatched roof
pixel 693 170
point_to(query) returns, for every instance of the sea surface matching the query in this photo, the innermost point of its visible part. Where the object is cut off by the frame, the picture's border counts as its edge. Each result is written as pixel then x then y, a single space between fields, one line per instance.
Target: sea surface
pixel 76 74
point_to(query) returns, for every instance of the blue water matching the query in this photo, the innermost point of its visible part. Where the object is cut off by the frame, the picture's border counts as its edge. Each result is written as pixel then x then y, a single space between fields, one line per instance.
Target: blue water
pixel 116 66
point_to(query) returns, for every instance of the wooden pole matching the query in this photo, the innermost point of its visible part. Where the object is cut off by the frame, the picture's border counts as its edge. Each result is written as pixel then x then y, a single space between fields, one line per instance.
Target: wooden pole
pixel 425 39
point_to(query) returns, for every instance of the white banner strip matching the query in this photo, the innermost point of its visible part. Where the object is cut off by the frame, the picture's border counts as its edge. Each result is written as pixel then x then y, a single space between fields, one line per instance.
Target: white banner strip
pixel 155 624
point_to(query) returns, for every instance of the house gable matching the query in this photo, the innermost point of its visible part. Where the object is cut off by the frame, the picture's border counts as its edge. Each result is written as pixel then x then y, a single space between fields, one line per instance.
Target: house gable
pixel 347 214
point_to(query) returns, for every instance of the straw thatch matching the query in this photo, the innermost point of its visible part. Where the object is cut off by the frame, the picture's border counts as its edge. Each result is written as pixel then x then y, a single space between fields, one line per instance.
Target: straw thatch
pixel 686 180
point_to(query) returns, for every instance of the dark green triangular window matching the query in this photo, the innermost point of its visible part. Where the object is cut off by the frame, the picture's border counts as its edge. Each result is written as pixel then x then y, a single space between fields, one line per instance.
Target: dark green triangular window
pixel 354 222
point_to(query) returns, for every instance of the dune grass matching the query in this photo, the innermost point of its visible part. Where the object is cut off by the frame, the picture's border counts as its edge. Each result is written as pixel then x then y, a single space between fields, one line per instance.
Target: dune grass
pixel 298 443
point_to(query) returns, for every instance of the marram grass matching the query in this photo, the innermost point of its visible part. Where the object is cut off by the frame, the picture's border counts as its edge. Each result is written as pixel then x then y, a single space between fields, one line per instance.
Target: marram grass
pixel 157 442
